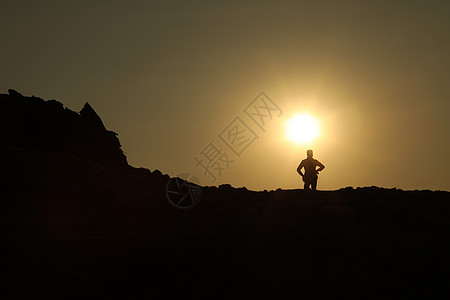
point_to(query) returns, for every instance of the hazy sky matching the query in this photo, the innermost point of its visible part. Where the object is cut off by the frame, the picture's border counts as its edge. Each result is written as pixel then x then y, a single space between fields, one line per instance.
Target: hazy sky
pixel 169 77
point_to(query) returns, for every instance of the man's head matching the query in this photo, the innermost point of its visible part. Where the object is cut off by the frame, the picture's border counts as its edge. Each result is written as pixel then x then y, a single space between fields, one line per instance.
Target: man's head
pixel 309 153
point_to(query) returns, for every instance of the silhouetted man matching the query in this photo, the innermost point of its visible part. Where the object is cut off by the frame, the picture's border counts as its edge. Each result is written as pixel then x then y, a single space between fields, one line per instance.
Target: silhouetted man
pixel 310 176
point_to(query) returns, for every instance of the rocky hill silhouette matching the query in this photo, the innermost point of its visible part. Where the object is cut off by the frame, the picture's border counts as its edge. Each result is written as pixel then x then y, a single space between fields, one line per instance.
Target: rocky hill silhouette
pixel 78 221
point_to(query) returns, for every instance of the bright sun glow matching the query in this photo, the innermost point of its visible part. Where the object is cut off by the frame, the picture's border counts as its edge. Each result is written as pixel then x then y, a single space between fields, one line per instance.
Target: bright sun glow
pixel 302 129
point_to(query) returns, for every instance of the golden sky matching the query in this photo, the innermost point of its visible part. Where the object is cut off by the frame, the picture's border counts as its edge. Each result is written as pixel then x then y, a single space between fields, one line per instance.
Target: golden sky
pixel 170 76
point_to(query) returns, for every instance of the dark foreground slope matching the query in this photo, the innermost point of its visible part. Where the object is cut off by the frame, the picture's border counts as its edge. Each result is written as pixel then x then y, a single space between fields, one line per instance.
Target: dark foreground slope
pixel 78 221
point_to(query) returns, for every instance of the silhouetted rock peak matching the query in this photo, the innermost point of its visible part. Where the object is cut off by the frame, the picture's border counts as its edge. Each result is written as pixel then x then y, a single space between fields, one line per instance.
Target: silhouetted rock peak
pixel 35 124
pixel 14 93
pixel 90 116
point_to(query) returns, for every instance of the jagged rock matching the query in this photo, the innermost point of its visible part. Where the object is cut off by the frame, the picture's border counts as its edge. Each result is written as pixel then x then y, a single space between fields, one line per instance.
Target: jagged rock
pixel 225 186
pixel 56 105
pixel 89 116
pixel 157 172
pixel 348 188
pixel 33 123
pixel 14 93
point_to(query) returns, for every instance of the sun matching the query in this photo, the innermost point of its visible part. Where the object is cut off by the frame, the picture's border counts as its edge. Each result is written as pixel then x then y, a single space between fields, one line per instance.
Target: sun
pixel 302 129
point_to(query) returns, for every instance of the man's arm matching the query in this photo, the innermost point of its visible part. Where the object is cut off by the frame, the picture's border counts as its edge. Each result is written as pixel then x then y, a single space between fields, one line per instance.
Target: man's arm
pixel 320 165
pixel 299 169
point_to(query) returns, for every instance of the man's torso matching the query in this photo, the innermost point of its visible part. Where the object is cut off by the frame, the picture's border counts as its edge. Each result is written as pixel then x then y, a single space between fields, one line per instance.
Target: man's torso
pixel 310 165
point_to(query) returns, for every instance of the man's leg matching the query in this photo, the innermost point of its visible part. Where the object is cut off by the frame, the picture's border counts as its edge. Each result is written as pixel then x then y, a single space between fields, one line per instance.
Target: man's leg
pixel 305 186
pixel 314 185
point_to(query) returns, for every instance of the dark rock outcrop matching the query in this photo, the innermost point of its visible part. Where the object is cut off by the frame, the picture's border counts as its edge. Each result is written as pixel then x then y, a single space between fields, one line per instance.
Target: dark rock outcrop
pixel 53 156
pixel 32 123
